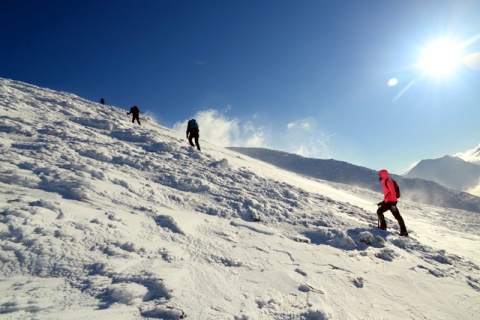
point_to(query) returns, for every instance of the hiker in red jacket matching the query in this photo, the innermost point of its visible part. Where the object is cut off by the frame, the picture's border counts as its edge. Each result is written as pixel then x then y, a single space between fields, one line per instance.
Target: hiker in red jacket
pixel 389 203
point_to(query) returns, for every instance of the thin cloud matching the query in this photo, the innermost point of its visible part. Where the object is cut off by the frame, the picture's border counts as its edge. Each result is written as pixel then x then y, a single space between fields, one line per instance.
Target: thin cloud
pixel 475 190
pixel 216 128
pixel 301 137
pixel 472 155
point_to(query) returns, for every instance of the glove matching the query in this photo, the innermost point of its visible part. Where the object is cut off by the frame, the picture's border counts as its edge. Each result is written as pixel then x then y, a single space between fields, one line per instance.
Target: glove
pixel 381 203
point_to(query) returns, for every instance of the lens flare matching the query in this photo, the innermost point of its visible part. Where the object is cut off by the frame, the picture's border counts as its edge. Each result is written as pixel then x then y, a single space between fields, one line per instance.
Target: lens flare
pixel 392 82
pixel 472 61
pixel 308 124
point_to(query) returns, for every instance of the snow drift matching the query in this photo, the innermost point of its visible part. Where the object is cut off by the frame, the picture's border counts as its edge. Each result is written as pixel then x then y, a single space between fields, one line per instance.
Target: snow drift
pixel 101 218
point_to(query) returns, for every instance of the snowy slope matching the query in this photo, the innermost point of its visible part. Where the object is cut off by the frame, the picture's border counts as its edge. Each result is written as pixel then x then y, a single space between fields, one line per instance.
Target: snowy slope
pixel 423 190
pixel 101 218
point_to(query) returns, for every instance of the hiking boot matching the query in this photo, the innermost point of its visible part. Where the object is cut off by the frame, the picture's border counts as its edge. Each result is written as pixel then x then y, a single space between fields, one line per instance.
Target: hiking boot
pixel 403 234
pixel 382 228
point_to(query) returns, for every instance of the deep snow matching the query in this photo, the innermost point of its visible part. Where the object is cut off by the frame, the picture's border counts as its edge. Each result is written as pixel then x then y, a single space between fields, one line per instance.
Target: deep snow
pixel 102 218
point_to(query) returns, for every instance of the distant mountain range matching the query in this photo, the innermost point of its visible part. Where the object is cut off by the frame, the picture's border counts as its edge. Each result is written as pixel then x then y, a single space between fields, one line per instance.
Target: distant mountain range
pixel 448 171
pixel 415 189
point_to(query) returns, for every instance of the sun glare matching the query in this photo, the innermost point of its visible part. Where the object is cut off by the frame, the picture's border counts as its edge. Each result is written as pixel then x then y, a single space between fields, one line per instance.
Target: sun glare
pixel 472 61
pixel 441 57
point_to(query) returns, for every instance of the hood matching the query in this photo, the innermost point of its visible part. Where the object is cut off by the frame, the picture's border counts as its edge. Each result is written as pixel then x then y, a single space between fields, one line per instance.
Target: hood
pixel 384 174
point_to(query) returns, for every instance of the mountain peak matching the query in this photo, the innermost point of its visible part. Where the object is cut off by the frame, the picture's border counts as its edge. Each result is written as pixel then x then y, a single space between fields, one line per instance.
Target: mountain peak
pixel 102 218
pixel 450 171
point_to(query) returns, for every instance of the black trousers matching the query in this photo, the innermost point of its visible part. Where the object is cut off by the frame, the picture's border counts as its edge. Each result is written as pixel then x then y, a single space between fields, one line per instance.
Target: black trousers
pixel 194 136
pixel 392 206
pixel 135 117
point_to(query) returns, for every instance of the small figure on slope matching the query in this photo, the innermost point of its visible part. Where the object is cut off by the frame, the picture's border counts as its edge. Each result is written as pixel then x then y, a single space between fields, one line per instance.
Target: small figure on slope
pixel 135 114
pixel 389 203
pixel 193 132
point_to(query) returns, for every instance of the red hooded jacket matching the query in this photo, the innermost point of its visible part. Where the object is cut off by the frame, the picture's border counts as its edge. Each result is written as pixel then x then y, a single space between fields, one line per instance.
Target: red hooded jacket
pixel 388 187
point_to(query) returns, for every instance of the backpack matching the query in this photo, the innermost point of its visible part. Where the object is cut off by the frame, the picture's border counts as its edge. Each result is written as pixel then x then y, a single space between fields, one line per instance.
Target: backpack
pixel 396 187
pixel 193 124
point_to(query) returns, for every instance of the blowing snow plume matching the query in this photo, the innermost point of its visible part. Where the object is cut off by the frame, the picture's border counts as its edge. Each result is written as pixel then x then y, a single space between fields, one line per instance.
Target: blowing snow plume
pixel 100 218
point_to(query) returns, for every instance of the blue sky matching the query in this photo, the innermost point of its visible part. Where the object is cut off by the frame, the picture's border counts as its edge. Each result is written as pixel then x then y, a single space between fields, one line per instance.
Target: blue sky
pixel 308 76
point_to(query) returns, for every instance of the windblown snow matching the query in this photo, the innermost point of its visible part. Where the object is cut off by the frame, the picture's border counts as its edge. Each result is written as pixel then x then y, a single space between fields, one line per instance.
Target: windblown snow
pixel 102 218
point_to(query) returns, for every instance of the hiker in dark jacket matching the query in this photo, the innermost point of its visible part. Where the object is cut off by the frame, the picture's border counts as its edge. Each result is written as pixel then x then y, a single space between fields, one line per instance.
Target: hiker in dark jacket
pixel 135 114
pixel 102 101
pixel 389 203
pixel 193 132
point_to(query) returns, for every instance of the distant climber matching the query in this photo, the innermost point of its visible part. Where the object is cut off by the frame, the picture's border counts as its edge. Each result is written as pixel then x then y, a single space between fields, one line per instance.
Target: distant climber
pixel 389 203
pixel 135 114
pixel 193 132
pixel 102 101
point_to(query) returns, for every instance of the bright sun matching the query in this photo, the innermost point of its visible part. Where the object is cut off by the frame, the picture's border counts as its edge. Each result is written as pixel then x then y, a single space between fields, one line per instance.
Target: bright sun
pixel 441 58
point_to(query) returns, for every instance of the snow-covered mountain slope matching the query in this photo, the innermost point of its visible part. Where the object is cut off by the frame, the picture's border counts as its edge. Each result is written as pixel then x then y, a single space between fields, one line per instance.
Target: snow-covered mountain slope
pixel 422 190
pixel 449 171
pixel 102 218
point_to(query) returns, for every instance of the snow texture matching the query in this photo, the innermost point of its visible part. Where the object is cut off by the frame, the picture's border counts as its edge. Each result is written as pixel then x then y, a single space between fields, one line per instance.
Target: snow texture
pixel 104 219
pixel 433 187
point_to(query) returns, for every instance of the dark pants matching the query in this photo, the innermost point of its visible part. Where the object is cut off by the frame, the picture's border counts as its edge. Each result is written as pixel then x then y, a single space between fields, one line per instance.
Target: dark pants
pixel 392 206
pixel 194 135
pixel 135 117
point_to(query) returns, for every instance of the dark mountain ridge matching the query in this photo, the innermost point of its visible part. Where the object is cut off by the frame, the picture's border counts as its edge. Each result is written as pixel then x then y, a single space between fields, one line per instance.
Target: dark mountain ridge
pixel 448 171
pixel 413 189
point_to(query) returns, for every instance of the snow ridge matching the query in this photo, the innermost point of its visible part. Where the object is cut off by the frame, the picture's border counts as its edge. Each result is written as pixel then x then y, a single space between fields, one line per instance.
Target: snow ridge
pixel 436 192
pixel 103 218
